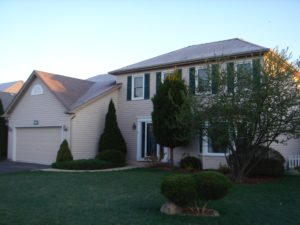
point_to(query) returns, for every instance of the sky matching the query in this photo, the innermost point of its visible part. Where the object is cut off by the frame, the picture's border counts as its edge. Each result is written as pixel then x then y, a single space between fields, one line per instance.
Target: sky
pixel 84 38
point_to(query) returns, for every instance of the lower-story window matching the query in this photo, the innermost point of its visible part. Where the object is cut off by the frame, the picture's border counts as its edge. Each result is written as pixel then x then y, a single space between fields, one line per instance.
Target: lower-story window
pixel 147 148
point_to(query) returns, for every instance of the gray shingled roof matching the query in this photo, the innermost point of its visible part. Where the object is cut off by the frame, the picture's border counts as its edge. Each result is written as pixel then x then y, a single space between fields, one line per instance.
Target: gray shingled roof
pixel 71 92
pixel 6 99
pixel 11 87
pixel 194 53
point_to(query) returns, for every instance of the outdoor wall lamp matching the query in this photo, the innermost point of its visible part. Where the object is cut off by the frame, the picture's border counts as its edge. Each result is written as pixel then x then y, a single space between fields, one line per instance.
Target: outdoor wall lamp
pixel 65 128
pixel 133 126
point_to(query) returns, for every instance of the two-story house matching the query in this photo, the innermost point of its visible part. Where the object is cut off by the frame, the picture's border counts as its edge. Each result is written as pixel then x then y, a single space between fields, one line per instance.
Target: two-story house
pixel 50 108
pixel 141 80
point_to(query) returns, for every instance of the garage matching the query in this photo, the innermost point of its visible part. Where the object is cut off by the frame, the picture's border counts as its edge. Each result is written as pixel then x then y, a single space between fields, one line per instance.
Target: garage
pixel 37 144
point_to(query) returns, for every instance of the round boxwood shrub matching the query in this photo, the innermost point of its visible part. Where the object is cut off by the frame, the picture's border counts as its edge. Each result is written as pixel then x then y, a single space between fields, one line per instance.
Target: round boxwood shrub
pixel 179 189
pixel 64 152
pixel 190 163
pixel 211 185
pixel 117 158
pixel 267 167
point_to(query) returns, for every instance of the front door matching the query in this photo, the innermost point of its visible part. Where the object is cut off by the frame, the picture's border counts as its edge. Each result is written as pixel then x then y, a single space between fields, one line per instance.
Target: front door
pixel 148 149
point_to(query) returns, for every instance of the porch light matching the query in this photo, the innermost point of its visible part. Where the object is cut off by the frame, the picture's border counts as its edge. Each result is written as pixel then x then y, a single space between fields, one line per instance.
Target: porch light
pixel 133 126
pixel 65 128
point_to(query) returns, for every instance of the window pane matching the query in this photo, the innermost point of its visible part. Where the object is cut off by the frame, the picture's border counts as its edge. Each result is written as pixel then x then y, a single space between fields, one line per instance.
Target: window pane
pixel 138 87
pixel 243 74
pixel 138 82
pixel 138 92
pixel 202 81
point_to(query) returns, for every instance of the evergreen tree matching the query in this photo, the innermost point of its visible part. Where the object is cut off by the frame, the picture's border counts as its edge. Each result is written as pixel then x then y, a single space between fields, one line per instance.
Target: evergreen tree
pixel 112 138
pixel 64 152
pixel 171 116
pixel 3 134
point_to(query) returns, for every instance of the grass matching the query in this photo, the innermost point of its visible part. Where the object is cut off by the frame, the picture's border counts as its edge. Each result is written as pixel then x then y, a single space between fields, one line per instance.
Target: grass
pixel 133 197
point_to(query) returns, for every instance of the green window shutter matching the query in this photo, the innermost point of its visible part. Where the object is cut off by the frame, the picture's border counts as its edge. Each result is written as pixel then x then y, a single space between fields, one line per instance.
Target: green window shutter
pixel 215 76
pixel 192 80
pixel 180 73
pixel 158 80
pixel 129 84
pixel 147 86
pixel 230 77
pixel 256 67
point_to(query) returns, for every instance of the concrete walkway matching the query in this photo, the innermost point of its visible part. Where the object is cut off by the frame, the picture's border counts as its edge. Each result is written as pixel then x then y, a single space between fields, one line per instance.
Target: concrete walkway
pixel 104 170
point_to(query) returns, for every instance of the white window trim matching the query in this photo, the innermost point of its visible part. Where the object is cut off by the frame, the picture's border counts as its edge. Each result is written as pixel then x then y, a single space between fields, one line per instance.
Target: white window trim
pixel 163 73
pixel 132 87
pixel 146 119
pixel 208 67
pixel 37 90
pixel 205 146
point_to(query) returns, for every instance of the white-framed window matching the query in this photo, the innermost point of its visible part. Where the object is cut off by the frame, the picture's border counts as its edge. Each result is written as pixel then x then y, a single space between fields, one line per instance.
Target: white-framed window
pixel 243 70
pixel 137 87
pixel 37 90
pixel 166 74
pixel 202 80
pixel 146 144
pixel 208 146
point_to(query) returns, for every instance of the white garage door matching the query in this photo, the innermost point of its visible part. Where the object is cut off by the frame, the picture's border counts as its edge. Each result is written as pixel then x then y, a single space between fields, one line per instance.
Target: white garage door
pixel 37 145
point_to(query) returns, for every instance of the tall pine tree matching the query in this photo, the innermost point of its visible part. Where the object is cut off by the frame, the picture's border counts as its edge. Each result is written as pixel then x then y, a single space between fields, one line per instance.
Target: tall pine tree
pixel 112 138
pixel 171 116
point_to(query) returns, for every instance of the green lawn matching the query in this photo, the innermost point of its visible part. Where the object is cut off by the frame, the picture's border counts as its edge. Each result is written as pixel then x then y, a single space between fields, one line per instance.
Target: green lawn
pixel 133 197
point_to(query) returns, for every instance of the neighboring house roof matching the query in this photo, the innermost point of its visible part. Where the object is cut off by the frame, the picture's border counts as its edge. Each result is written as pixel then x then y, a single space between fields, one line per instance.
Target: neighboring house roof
pixel 71 92
pixel 6 99
pixel 196 53
pixel 11 87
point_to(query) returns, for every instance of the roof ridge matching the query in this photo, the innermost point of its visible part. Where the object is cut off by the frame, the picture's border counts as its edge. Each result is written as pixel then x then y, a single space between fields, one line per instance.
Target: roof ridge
pixel 60 75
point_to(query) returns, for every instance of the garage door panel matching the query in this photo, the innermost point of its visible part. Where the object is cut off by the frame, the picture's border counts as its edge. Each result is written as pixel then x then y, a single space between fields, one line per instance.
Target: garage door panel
pixel 37 145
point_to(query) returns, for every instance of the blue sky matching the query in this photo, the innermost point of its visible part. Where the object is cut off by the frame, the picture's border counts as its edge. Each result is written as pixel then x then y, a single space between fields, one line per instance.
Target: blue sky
pixel 83 38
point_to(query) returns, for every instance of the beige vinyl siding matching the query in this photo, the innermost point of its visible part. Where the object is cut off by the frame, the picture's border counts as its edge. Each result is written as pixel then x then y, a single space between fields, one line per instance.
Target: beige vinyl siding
pixel 45 108
pixel 128 112
pixel 87 126
pixel 38 144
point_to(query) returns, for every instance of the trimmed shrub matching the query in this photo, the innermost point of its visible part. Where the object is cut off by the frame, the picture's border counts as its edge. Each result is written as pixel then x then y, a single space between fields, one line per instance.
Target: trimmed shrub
pixel 82 164
pixel 64 152
pixel 115 157
pixel 273 154
pixel 211 185
pixel 190 163
pixel 112 138
pixel 179 189
pixel 267 167
pixel 298 169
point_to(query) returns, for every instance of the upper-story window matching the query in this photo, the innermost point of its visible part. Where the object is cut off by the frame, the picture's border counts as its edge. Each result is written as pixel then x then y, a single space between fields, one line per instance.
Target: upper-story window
pixel 202 80
pixel 244 72
pixel 37 90
pixel 138 87
pixel 165 74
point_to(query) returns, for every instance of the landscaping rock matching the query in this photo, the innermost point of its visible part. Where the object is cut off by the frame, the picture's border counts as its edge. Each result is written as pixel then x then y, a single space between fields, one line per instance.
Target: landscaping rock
pixel 170 208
